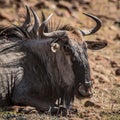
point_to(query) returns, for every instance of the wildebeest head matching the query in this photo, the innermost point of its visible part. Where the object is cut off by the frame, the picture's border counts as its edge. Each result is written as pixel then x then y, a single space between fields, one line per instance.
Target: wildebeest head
pixel 68 49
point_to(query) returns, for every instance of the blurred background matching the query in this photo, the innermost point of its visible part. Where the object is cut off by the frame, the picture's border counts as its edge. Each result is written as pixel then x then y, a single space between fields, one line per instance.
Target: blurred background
pixel 105 63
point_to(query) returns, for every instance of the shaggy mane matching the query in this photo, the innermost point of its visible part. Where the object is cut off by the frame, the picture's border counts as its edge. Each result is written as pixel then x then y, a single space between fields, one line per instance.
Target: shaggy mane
pixel 19 34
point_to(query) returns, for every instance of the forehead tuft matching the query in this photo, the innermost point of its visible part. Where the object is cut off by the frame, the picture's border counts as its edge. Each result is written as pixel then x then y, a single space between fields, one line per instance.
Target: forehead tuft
pixel 75 36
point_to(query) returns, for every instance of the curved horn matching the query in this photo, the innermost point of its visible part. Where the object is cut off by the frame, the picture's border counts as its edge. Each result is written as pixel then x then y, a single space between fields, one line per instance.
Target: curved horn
pixel 43 16
pixel 42 26
pixel 95 29
pixel 36 22
pixel 43 19
pixel 27 19
pixel 51 34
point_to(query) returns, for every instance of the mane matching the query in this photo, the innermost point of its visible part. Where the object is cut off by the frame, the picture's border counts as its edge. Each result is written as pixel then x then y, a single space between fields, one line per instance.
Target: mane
pixel 18 31
pixel 56 24
pixel 21 33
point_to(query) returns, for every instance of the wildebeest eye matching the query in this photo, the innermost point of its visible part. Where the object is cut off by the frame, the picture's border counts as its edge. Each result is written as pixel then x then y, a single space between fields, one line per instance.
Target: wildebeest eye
pixel 67 48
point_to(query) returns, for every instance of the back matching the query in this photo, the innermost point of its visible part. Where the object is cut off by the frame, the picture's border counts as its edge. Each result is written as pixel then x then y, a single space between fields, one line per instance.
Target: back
pixel 10 69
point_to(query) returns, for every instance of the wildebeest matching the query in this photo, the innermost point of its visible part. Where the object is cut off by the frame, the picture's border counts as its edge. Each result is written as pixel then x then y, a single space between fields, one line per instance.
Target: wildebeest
pixel 44 68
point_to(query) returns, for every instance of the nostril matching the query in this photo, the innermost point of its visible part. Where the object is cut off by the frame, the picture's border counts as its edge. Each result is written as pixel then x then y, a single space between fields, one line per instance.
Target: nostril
pixel 85 91
pixel 89 84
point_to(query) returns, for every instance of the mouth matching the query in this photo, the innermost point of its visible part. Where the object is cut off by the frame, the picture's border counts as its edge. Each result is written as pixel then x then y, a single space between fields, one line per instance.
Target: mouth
pixel 84 91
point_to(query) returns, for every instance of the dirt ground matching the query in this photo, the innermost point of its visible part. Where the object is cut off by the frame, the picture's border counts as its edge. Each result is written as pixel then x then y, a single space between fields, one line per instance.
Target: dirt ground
pixel 105 63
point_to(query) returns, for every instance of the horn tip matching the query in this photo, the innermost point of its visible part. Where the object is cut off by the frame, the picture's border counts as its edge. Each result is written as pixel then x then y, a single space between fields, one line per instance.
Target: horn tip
pixel 26 6
pixel 92 16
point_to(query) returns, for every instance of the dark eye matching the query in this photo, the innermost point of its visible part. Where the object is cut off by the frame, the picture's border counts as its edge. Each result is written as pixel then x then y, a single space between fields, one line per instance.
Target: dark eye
pixel 67 49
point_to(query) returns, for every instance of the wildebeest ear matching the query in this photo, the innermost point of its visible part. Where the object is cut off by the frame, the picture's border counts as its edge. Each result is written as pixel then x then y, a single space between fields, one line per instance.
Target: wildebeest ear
pixel 96 45
pixel 54 47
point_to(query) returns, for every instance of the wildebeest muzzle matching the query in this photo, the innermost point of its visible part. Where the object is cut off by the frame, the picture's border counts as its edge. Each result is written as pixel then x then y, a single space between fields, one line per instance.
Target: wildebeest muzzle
pixel 84 90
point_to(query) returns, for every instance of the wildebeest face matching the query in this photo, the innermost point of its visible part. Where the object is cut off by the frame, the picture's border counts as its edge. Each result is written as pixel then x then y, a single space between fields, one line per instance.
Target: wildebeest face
pixel 76 49
pixel 70 58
